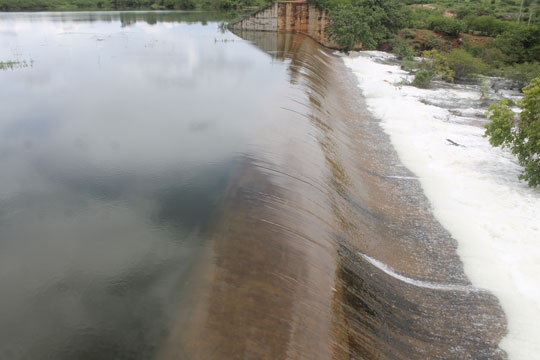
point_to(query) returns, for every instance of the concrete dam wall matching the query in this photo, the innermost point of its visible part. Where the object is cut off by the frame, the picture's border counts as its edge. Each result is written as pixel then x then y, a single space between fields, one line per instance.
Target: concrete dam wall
pixel 294 16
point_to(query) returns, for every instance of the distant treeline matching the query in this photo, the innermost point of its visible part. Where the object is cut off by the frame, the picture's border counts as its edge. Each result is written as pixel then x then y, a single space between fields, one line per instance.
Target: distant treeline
pixel 65 5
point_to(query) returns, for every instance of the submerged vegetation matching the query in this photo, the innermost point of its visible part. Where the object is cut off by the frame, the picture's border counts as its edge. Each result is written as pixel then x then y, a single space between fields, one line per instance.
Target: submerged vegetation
pixel 15 64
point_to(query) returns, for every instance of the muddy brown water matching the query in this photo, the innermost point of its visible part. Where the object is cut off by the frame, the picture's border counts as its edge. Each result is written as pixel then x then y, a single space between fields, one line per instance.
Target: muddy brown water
pixel 223 196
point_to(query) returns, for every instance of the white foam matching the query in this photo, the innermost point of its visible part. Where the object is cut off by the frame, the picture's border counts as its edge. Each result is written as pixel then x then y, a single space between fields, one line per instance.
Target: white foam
pixel 473 189
pixel 415 282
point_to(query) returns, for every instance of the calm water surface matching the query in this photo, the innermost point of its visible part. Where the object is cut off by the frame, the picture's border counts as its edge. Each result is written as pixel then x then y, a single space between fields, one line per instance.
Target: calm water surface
pixel 171 190
pixel 116 148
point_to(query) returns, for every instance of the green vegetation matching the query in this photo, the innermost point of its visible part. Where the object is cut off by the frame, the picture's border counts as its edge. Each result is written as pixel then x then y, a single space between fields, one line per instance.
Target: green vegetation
pixel 446 25
pixel 368 23
pixel 487 33
pixel 521 134
pixel 402 49
pixel 434 65
pixel 60 5
pixel 459 41
pixel 456 64
pixel 10 65
pixel 350 26
pixel 433 42
pixel 485 25
pixel 523 73
pixel 464 65
pixel 422 79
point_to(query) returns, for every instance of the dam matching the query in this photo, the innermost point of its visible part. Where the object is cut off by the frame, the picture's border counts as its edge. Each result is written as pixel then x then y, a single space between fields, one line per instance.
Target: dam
pixel 157 202
pixel 290 16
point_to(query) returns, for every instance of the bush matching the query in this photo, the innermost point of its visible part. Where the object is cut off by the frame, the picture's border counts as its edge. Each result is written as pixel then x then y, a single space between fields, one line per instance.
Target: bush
pixel 434 65
pixel 485 25
pixel 417 17
pixel 520 43
pixel 464 65
pixel 408 34
pixel 522 74
pixel 448 26
pixel 493 56
pixel 435 42
pixel 402 49
pixel 521 134
pixel 437 63
pixel 422 79
pixel 464 11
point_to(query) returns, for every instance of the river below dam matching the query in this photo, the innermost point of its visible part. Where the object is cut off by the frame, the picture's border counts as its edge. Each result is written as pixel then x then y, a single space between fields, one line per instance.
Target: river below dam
pixel 172 190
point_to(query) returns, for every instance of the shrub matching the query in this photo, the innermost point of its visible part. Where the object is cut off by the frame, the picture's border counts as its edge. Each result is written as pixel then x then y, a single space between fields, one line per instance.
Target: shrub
pixel 408 34
pixel 435 42
pixel 464 11
pixel 437 63
pixel 422 79
pixel 485 25
pixel 520 43
pixel 522 74
pixel 521 134
pixel 417 17
pixel 402 49
pixel 493 56
pixel 448 26
pixel 464 65
pixel 434 65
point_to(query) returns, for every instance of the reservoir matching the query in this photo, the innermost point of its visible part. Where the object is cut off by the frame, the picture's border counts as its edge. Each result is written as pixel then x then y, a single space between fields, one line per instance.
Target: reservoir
pixel 172 190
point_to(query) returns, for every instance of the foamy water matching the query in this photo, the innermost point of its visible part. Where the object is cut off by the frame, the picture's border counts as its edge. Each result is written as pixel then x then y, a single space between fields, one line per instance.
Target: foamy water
pixel 473 188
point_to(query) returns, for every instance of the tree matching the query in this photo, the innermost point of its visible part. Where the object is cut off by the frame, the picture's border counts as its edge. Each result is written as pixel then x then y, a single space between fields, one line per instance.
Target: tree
pixel 521 134
pixel 365 22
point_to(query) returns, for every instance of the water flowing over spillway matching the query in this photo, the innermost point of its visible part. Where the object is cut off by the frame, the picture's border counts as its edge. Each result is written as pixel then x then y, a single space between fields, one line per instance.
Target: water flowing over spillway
pixel 474 188
pixel 175 191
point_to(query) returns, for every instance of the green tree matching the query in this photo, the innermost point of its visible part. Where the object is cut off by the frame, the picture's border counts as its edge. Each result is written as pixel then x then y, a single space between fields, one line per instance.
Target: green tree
pixel 521 134
pixel 349 26
pixel 363 22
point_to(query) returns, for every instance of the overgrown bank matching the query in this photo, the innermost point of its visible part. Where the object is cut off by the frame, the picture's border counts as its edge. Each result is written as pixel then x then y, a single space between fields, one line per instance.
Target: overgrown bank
pixel 488 40
pixel 457 41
